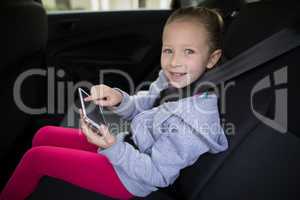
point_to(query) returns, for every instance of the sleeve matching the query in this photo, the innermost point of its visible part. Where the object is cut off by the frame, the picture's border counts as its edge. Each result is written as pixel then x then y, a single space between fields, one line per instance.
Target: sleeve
pixel 130 106
pixel 169 154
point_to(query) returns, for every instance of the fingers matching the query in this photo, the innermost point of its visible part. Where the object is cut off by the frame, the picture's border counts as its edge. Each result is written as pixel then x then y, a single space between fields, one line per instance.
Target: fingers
pixel 104 103
pixel 104 139
pixel 107 136
pixel 99 92
pixel 88 132
pixel 104 130
pixel 100 95
pixel 83 128
pixel 87 128
pixel 95 98
pixel 94 95
pixel 104 95
pixel 89 98
pixel 80 113
pixel 92 136
pixel 81 121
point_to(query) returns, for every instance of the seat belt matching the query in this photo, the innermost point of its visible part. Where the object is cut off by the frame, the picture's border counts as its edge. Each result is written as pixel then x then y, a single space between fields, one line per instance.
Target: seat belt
pixel 277 44
pixel 266 50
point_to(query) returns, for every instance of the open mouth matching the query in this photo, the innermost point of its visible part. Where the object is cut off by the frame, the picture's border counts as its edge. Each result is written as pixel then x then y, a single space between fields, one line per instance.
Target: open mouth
pixel 177 75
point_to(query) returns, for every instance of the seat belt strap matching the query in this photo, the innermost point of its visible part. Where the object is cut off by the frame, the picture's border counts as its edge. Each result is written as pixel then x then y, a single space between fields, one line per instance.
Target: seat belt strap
pixel 266 50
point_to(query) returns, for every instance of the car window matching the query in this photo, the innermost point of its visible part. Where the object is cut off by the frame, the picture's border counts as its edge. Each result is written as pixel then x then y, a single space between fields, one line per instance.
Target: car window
pixel 104 5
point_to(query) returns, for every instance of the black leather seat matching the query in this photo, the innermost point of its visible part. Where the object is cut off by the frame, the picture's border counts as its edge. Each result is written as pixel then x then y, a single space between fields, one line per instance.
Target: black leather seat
pixel 261 162
pixel 23 38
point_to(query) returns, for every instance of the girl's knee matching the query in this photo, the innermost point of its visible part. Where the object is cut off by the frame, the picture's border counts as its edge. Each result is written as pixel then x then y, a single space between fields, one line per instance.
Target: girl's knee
pixel 32 155
pixel 41 135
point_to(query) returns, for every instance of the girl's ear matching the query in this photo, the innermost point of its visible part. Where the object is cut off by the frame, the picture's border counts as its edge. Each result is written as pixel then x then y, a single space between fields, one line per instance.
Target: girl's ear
pixel 214 58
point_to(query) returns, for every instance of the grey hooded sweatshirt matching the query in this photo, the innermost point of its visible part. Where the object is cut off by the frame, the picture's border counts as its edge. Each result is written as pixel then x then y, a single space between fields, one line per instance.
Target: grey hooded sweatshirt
pixel 169 137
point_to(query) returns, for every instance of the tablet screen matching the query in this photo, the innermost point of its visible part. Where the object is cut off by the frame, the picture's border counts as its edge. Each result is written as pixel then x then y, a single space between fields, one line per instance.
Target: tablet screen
pixel 92 111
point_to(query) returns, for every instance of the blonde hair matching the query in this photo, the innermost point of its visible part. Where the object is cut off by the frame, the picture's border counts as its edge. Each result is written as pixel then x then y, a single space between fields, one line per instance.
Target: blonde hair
pixel 211 20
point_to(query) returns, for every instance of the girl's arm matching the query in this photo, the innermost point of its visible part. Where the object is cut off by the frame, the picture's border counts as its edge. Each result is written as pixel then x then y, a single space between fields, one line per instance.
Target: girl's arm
pixel 130 106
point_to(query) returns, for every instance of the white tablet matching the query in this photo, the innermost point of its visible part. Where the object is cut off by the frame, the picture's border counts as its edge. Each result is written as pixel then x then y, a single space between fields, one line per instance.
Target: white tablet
pixel 93 113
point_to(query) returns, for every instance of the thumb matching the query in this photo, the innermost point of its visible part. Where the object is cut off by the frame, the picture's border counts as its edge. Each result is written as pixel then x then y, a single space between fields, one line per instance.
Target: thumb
pixel 104 129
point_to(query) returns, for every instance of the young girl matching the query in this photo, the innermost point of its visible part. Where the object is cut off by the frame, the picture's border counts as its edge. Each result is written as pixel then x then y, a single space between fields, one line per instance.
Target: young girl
pixel 167 136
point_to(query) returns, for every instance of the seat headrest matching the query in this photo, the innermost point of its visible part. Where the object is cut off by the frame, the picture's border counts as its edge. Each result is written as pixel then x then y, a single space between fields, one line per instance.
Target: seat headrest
pixel 257 21
pixel 24 30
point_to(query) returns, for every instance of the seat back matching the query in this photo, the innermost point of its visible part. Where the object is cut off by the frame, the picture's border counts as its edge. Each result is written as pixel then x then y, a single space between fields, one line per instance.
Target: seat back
pixel 23 39
pixel 261 162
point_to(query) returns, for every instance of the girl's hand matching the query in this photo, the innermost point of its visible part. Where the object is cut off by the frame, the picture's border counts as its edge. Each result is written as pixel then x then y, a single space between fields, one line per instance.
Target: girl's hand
pixel 104 95
pixel 103 138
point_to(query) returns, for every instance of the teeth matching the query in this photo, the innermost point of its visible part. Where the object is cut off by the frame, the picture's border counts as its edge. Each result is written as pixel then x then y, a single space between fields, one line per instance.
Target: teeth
pixel 177 74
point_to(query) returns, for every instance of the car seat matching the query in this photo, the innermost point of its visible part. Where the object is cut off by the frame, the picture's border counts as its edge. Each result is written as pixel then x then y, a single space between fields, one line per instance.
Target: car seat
pixel 261 162
pixel 23 38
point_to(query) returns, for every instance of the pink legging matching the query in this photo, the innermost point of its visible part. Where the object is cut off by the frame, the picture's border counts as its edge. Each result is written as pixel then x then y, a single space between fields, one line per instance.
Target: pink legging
pixel 63 153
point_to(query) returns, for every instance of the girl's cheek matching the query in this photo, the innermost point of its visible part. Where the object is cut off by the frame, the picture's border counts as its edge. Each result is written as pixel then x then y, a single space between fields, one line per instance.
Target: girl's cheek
pixel 165 61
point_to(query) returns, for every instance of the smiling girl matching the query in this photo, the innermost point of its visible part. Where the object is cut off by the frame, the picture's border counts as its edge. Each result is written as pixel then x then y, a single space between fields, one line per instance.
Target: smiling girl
pixel 167 136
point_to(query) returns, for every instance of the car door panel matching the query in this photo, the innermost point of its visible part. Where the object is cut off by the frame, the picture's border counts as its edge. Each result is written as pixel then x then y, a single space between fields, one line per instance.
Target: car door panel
pixel 86 42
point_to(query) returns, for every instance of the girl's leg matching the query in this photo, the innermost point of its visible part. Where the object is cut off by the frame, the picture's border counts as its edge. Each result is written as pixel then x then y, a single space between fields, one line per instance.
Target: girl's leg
pixel 88 170
pixel 62 137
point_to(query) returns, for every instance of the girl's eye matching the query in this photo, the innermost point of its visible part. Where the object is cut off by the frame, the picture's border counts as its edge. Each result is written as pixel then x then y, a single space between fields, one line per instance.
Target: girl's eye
pixel 188 51
pixel 167 51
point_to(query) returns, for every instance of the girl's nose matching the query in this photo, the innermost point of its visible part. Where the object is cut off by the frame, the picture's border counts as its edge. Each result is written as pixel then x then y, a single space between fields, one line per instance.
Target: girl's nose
pixel 176 61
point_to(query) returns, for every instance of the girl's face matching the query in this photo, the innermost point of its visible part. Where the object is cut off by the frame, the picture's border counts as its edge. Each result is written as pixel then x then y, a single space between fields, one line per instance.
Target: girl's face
pixel 185 52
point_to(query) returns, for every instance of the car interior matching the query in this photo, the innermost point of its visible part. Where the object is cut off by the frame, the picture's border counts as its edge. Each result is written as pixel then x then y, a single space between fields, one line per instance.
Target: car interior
pixel 262 161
